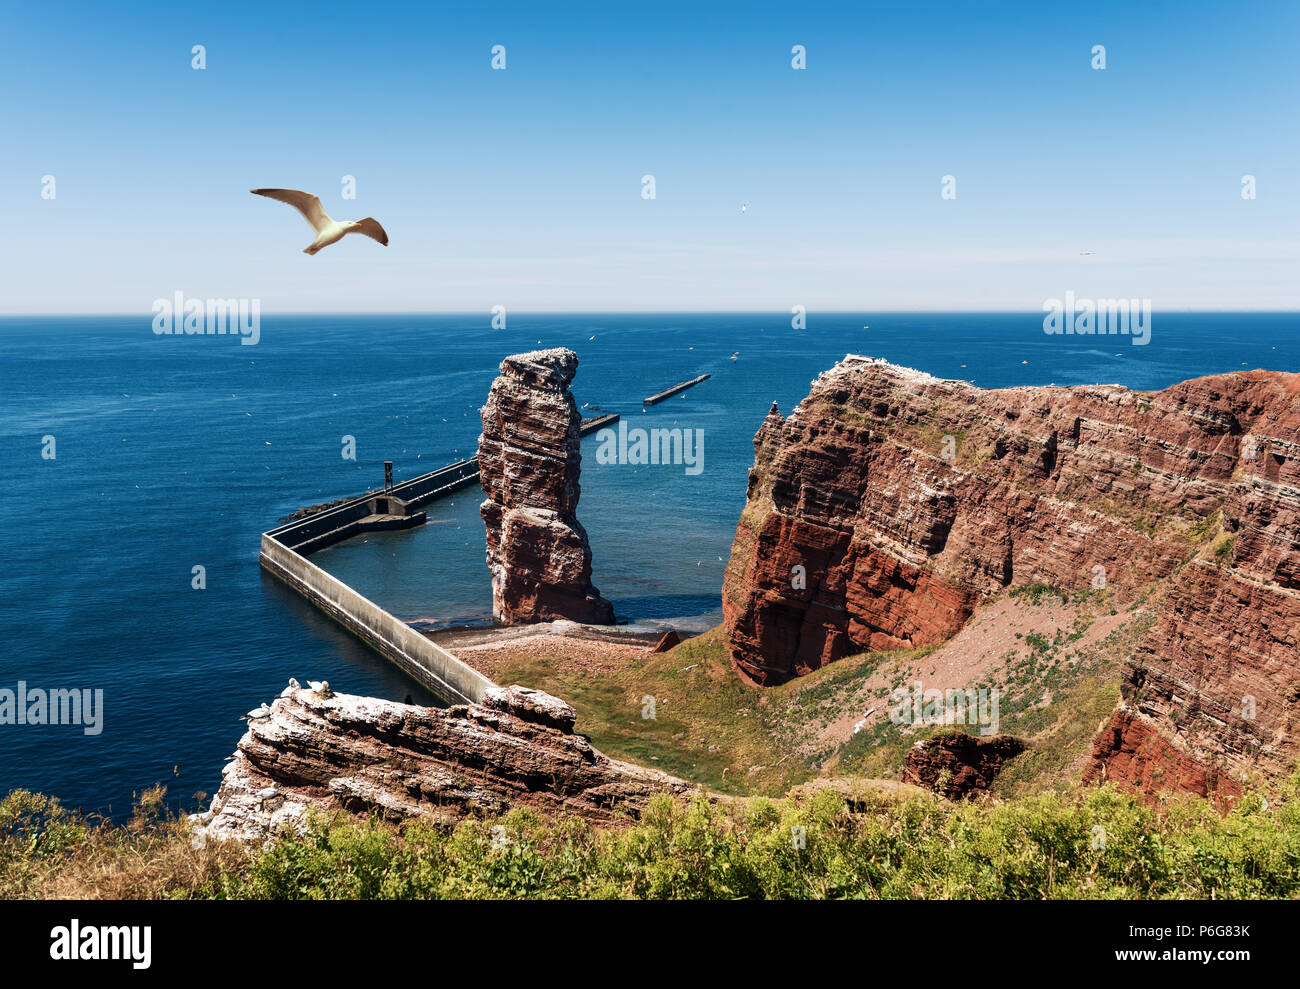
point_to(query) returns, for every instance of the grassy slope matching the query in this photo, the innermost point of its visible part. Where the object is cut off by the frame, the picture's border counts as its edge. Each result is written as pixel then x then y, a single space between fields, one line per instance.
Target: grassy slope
pixel 712 728
pixel 860 842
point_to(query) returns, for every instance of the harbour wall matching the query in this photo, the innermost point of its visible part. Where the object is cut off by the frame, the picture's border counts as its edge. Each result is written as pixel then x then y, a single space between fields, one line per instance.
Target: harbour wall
pixel 284 555
pixel 446 676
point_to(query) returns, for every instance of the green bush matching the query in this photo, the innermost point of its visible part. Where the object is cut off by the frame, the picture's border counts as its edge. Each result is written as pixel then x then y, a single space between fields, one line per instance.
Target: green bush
pixel 873 843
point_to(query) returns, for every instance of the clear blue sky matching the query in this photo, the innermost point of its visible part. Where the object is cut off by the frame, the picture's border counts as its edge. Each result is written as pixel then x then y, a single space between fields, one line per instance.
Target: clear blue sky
pixel 522 187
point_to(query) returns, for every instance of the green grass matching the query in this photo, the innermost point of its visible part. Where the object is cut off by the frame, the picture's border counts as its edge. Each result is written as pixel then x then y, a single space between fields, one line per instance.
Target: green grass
pixel 859 842
pixel 710 727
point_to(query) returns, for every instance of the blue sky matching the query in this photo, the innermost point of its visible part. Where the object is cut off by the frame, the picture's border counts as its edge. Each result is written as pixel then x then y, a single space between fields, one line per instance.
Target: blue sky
pixel 522 187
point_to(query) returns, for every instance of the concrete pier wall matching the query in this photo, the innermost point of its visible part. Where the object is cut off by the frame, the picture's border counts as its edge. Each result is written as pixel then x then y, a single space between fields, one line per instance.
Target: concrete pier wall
pixel 365 514
pixel 448 677
pixel 674 390
pixel 419 491
pixel 397 508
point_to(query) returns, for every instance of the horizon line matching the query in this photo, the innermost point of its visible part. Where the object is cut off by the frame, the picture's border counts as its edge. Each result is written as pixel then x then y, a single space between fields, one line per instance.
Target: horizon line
pixel 634 312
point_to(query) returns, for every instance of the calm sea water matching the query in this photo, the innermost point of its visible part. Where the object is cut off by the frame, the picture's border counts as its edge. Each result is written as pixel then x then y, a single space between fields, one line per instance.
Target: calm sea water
pixel 177 452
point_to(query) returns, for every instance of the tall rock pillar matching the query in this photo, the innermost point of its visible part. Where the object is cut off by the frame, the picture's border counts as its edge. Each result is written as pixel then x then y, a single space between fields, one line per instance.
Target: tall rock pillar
pixel 529 462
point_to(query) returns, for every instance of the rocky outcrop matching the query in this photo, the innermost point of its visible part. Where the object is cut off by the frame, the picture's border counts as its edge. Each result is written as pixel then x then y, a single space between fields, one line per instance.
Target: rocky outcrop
pixel 669 640
pixel 890 503
pixel 958 765
pixel 529 462
pixel 372 756
pixel 1132 752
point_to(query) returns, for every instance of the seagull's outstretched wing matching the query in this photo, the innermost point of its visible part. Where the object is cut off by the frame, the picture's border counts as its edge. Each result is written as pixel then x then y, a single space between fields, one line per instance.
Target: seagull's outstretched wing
pixel 371 228
pixel 304 202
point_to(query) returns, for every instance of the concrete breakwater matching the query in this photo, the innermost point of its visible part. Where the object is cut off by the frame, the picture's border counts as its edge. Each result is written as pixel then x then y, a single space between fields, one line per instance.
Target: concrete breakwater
pixel 285 549
pixel 397 507
pixel 590 425
pixel 675 389
pixel 446 676
pixel 284 555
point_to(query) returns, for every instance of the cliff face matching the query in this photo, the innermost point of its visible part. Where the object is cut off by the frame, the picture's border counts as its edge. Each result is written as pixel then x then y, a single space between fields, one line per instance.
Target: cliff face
pixel 907 500
pixel 529 462
pixel 367 755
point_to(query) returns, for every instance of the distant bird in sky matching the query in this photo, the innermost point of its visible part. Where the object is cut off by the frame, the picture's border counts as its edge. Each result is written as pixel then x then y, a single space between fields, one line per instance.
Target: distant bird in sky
pixel 744 207
pixel 1086 253
pixel 328 231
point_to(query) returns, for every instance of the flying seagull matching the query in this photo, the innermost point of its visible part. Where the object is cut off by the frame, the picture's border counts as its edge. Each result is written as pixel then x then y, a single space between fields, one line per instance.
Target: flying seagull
pixel 328 231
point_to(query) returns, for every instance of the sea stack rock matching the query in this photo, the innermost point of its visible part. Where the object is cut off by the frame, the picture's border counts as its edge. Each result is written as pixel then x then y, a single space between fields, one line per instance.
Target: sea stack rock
pixel 529 462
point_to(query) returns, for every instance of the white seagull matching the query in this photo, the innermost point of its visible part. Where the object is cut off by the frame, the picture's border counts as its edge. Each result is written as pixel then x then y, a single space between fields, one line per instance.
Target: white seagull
pixel 257 714
pixel 328 231
pixel 265 796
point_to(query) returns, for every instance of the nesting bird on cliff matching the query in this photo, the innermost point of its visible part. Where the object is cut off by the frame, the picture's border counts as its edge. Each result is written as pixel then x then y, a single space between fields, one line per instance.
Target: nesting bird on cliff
pixel 321 687
pixel 328 230
pixel 267 795
pixel 257 714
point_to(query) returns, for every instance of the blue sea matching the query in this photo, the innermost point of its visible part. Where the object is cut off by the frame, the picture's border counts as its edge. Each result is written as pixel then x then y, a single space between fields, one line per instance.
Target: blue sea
pixel 177 452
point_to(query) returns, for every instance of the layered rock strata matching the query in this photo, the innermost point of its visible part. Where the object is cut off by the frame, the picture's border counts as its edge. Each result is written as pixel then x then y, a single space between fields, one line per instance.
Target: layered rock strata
pixel 372 756
pixel 890 503
pixel 529 461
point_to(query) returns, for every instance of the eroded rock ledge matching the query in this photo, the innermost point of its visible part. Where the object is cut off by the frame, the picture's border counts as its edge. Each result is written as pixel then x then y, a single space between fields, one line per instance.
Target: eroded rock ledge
pixel 529 463
pixel 367 755
pixel 907 499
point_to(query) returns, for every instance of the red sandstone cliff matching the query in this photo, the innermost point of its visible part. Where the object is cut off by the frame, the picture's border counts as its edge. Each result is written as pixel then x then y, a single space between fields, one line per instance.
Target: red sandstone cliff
pixel 907 500
pixel 529 462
